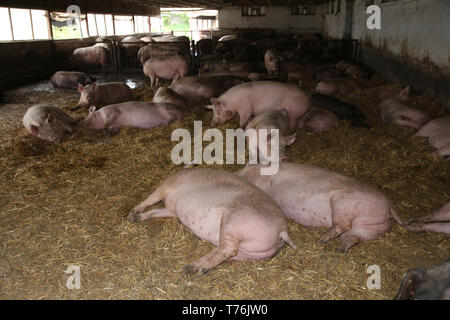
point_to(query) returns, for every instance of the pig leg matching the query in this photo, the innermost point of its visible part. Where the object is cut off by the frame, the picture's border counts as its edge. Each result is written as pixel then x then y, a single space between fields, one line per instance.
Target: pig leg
pixel 228 248
pixel 442 227
pixel 152 79
pixel 348 240
pixel 175 78
pixel 243 118
pixel 335 230
pixel 155 213
pixel 155 197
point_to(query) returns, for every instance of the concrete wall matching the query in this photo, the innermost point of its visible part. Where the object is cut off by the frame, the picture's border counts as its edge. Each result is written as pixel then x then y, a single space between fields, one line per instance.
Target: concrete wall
pixel 417 29
pixel 412 45
pixel 334 23
pixel 277 18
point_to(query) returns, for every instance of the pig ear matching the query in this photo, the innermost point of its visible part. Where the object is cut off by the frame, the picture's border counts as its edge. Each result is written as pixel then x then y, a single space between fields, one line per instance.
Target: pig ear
pixel 50 118
pixel 34 129
pixel 92 109
pixel 80 88
pixel 284 112
pixel 405 92
pixel 291 139
pixel 409 284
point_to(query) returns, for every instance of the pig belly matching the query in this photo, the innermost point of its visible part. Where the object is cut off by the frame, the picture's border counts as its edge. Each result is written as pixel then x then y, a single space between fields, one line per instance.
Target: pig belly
pixel 307 209
pixel 143 120
pixel 203 221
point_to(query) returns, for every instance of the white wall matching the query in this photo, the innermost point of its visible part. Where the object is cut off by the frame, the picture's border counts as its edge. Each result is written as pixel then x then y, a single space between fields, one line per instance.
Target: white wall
pixel 417 29
pixel 278 18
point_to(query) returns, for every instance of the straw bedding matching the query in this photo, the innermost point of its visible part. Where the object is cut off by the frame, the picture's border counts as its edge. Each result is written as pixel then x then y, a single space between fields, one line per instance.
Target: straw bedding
pixel 66 204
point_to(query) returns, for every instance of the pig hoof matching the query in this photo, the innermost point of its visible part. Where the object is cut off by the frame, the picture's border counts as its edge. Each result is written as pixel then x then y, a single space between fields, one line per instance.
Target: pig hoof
pixel 133 216
pixel 190 269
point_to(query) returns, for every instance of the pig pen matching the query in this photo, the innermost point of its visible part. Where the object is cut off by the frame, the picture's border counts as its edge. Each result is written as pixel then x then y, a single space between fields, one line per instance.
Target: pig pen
pixel 66 204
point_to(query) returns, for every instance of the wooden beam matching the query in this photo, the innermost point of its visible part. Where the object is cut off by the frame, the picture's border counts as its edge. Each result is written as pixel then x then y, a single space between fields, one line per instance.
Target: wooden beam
pixel 31 21
pixel 49 25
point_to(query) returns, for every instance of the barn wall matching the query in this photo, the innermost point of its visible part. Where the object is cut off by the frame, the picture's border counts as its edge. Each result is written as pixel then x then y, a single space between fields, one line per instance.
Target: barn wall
pixel 278 18
pixel 411 47
pixel 34 60
pixel 334 23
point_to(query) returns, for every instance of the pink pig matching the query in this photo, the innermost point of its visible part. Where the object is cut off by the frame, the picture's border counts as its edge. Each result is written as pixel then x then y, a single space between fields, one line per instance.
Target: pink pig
pixel 102 94
pixel 222 208
pixel 252 98
pixel 438 221
pixel 137 114
pixel 393 110
pixel 317 197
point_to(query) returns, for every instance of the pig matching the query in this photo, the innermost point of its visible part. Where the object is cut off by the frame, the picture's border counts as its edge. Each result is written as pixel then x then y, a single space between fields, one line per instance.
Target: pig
pixel 317 197
pixel 337 87
pixel 205 47
pixel 252 98
pixel 426 284
pixel 221 208
pixel 326 74
pixel 272 61
pixel 388 92
pixel 48 123
pixel 393 110
pixel 318 121
pixel 444 150
pixel 102 94
pixel 146 38
pixel 438 221
pixel 433 127
pixel 155 50
pixel 136 114
pixel 167 95
pixel 199 90
pixel 343 110
pixel 92 56
pixel 272 120
pixel 70 79
pixel 438 133
pixel 166 67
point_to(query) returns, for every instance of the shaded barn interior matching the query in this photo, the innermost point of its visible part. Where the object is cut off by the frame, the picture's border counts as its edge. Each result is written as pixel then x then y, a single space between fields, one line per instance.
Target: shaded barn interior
pixel 66 204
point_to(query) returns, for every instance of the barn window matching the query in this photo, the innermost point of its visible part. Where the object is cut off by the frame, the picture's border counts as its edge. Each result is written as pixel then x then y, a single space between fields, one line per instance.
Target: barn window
pixel 155 23
pixel 21 24
pixel 109 24
pixel 101 24
pixel 92 24
pixel 123 24
pixel 303 10
pixel 5 25
pixel 65 26
pixel 141 24
pixel 253 11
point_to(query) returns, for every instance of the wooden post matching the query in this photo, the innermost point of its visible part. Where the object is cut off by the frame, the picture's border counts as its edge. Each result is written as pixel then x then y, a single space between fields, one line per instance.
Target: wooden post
pixel 31 21
pixel 95 19
pixel 10 23
pixel 49 25
pixel 114 24
pixel 149 24
pixel 134 26
pixel 87 26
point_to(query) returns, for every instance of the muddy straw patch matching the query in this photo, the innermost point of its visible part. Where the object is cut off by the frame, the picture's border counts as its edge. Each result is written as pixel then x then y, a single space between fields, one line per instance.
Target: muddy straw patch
pixel 66 205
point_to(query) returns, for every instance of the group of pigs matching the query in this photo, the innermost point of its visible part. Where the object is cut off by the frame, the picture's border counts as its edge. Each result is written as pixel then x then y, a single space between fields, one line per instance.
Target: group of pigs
pixel 244 213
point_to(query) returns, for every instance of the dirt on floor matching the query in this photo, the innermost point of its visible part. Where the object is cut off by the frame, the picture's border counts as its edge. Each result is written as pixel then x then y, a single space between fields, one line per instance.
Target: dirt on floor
pixel 63 205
